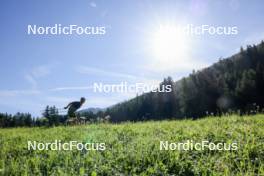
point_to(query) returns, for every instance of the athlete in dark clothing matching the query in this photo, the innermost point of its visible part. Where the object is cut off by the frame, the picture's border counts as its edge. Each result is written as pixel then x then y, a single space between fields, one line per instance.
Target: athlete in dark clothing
pixel 74 106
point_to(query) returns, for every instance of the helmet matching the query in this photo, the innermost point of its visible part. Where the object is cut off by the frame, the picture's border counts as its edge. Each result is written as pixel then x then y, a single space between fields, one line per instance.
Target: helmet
pixel 82 99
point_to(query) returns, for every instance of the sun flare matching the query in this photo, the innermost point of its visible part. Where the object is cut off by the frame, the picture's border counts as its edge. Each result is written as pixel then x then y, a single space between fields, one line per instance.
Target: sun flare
pixel 169 43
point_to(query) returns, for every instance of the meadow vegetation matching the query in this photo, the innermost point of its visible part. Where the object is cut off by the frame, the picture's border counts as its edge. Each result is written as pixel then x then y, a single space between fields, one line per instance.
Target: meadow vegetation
pixel 134 148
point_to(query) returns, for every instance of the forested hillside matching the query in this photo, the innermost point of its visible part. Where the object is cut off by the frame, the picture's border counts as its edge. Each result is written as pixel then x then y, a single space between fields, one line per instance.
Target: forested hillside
pixel 232 84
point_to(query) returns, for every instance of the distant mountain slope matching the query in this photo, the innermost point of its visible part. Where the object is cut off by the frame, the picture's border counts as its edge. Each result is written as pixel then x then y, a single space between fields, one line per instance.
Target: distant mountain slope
pixel 93 110
pixel 232 84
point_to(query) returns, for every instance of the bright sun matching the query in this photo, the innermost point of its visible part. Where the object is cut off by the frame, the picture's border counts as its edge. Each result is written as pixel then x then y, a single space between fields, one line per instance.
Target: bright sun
pixel 169 43
pixel 169 46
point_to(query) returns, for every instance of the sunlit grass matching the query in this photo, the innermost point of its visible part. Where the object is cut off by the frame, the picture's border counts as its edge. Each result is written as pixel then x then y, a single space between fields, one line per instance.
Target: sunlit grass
pixel 133 148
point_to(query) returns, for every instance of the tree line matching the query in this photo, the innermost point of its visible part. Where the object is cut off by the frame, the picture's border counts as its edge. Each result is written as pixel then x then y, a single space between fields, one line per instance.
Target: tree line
pixel 19 119
pixel 234 84
pixel 50 117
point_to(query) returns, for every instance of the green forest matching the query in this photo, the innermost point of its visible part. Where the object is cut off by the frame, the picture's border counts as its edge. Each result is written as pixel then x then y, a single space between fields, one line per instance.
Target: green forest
pixel 232 85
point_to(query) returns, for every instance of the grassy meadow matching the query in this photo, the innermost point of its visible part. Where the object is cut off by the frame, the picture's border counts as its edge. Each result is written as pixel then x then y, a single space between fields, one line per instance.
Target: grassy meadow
pixel 134 148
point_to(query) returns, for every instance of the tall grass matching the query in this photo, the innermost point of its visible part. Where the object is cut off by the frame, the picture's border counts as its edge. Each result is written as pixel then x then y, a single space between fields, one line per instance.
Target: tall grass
pixel 133 148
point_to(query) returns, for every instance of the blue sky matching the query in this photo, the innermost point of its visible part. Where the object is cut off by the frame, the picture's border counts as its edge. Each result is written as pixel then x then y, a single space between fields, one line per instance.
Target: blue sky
pixel 40 70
